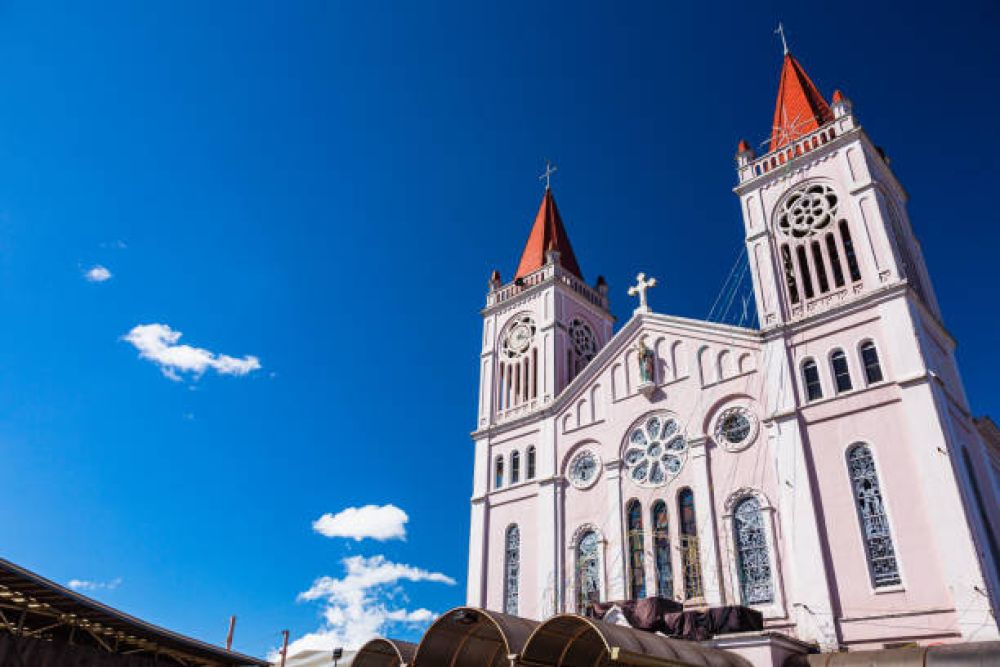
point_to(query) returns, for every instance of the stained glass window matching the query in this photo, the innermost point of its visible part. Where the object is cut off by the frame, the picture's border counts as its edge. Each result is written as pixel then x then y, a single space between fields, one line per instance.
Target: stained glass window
pixel 690 553
pixel 655 450
pixel 752 557
pixel 661 549
pixel 512 568
pixel 515 467
pixel 637 566
pixel 588 570
pixel 871 512
pixel 530 473
pixel 810 376
pixel 869 359
pixel 841 373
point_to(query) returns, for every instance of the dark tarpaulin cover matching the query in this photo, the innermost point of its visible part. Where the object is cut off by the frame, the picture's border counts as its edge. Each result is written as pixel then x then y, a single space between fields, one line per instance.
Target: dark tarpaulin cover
pixel 29 652
pixel 669 617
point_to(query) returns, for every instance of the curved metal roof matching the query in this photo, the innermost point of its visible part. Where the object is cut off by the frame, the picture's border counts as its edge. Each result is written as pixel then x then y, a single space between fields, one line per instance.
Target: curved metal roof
pixel 569 640
pixel 385 653
pixel 470 637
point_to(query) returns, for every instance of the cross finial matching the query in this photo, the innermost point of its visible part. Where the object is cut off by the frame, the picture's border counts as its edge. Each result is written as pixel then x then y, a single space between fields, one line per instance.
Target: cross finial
pixel 641 287
pixel 547 176
pixel 780 30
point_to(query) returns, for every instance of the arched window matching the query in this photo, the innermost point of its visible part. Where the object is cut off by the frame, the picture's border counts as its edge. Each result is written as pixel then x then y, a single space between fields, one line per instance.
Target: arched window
pixel 661 549
pixel 530 473
pixel 515 467
pixel 588 570
pixel 511 569
pixel 871 513
pixel 810 378
pixel 752 557
pixel 690 553
pixel 498 472
pixel 841 373
pixel 852 258
pixel 636 561
pixel 869 359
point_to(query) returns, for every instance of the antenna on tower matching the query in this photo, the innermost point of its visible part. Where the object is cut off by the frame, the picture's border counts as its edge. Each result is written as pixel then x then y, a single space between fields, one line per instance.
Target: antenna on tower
pixel 780 30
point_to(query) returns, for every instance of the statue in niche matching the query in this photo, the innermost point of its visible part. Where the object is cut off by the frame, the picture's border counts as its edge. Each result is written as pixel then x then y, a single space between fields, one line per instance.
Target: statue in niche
pixel 647 362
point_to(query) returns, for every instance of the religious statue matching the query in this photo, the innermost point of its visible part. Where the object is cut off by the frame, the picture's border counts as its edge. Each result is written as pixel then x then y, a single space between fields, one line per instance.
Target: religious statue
pixel 647 362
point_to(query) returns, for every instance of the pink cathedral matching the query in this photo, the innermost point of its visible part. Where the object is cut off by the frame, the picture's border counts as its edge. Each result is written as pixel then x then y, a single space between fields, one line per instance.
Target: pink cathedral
pixel 823 469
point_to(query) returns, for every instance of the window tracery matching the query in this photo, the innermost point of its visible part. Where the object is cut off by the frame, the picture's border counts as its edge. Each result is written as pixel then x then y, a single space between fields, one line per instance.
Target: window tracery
pixel 583 346
pixel 661 550
pixel 875 530
pixel 690 551
pixel 583 469
pixel 637 565
pixel 807 211
pixel 655 450
pixel 517 368
pixel 752 554
pixel 735 429
pixel 588 570
pixel 512 569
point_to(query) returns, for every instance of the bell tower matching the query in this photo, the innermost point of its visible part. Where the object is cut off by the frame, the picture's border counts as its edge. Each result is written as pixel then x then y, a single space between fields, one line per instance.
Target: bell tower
pixel 541 328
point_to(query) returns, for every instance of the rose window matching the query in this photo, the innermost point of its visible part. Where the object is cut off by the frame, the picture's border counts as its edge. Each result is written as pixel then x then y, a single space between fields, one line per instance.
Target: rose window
pixel 655 451
pixel 735 429
pixel 584 344
pixel 584 468
pixel 807 211
pixel 520 334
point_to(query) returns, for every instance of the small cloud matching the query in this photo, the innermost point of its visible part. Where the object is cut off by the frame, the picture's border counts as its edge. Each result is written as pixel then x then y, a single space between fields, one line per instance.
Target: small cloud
pixel 84 585
pixel 158 343
pixel 189 416
pixel 116 245
pixel 97 274
pixel 387 522
pixel 359 605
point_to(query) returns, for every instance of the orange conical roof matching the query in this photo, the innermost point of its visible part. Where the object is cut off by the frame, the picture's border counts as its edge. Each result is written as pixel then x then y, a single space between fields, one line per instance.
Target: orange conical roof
pixel 800 108
pixel 547 233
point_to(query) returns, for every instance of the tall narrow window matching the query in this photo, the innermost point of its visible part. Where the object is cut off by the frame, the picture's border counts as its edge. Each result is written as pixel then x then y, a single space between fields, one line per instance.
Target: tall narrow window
pixel 498 472
pixel 511 569
pixel 869 359
pixel 786 261
pixel 752 557
pixel 515 467
pixel 810 377
pixel 636 563
pixel 838 270
pixel 871 512
pixel 588 571
pixel 661 549
pixel 690 553
pixel 841 373
pixel 807 283
pixel 817 251
pixel 530 472
pixel 852 258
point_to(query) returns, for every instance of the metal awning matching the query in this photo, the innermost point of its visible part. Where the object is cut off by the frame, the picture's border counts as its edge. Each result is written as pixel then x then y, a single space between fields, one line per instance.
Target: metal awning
pixel 569 640
pixel 32 606
pixel 972 654
pixel 469 637
pixel 385 653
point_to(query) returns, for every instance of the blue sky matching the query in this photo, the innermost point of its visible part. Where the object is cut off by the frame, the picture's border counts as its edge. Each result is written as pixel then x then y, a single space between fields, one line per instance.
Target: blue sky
pixel 322 189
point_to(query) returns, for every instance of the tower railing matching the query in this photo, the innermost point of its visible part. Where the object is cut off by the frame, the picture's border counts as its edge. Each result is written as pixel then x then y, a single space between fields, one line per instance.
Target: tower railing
pixel 750 168
pixel 549 272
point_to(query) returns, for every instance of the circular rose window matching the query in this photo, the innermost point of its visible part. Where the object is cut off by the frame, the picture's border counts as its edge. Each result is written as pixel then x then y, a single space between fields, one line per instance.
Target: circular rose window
pixel 583 469
pixel 736 429
pixel 807 211
pixel 655 450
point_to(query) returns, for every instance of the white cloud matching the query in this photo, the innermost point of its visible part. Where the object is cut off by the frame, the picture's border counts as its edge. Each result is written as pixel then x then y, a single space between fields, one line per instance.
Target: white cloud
pixel 158 343
pixel 97 274
pixel 359 605
pixel 387 522
pixel 84 585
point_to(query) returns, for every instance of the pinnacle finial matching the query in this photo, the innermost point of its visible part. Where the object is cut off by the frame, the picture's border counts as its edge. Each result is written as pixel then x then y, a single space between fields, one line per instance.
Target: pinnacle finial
pixel 547 176
pixel 780 30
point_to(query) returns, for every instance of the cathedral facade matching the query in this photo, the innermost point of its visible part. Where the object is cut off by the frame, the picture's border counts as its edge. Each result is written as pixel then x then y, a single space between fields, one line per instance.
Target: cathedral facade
pixel 823 468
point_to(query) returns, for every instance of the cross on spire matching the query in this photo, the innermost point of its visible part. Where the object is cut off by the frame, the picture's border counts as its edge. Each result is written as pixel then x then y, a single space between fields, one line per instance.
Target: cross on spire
pixel 641 287
pixel 780 30
pixel 547 176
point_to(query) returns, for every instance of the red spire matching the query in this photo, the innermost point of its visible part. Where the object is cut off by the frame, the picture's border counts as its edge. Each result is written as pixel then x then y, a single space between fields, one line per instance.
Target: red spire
pixel 547 233
pixel 800 108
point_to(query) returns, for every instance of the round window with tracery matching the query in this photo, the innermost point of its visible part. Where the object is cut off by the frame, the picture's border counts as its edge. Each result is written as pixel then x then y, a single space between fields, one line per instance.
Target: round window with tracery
pixel 584 341
pixel 736 429
pixel 520 334
pixel 655 450
pixel 807 211
pixel 583 469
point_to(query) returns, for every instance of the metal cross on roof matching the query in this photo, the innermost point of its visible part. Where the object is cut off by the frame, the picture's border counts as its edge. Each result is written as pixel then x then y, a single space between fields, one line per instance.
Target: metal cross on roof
pixel 641 287
pixel 549 170
pixel 780 30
